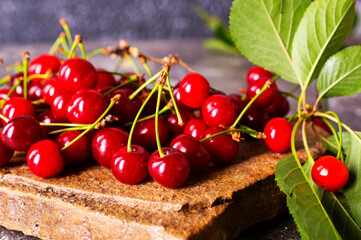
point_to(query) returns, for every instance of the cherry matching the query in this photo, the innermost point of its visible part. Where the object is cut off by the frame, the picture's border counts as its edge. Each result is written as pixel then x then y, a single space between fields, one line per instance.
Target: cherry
pixel 171 170
pixel 131 86
pixel 50 89
pixel 172 121
pixel 267 97
pixel 35 91
pixel 47 117
pixel 4 92
pixel 21 132
pixel 255 73
pixel 106 142
pixel 130 167
pixel 218 110
pixel 125 109
pixel 59 105
pixel 5 154
pixel 329 173
pixel 195 127
pixel 195 151
pixel 238 101
pixel 255 118
pixel 104 80
pixel 44 159
pixel 278 133
pixel 152 104
pixel 221 148
pixel 193 90
pixel 76 74
pixel 279 108
pixel 144 133
pixel 77 153
pixel 17 106
pixel 177 98
pixel 41 64
pixel 86 106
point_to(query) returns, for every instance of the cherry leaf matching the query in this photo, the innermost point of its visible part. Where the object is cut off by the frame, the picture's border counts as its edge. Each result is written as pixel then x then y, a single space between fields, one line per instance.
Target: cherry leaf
pixel 323 29
pixel 263 31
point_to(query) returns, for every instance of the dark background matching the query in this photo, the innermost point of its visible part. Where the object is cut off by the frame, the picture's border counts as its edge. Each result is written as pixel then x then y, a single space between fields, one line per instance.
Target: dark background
pixel 38 20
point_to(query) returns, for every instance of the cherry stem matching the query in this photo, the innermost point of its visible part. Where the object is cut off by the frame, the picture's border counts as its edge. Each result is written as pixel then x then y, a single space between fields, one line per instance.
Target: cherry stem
pixel 139 89
pixel 64 124
pixel 130 60
pixel 179 117
pixel 65 26
pixel 243 129
pixel 263 89
pixel 94 53
pixel 4 118
pixel 67 129
pixel 55 45
pixel 72 49
pixel 81 46
pixel 118 63
pixel 305 143
pixel 25 72
pixel 119 86
pixel 163 110
pixel 135 121
pixel 130 77
pixel 112 102
pixel 338 138
pixel 146 67
pixel 160 89
pixel 5 80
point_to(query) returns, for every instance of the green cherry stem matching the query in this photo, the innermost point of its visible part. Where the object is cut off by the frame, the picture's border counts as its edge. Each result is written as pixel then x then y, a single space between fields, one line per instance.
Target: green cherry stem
pixel 338 138
pixel 163 110
pixel 146 66
pixel 117 64
pixel 120 86
pixel 25 72
pixel 65 26
pixel 57 43
pixel 130 77
pixel 242 129
pixel 112 102
pixel 305 142
pixel 150 80
pixel 170 90
pixel 135 121
pixel 130 60
pixel 160 89
pixel 67 129
pixel 72 49
pixel 94 53
pixel 5 80
pixel 81 46
pixel 4 118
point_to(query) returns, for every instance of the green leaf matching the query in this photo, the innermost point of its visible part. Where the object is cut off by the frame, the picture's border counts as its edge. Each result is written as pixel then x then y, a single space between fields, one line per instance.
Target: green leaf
pixel 311 218
pixel 341 74
pixel 322 31
pixel 352 190
pixel 263 31
pixel 221 46
pixel 331 143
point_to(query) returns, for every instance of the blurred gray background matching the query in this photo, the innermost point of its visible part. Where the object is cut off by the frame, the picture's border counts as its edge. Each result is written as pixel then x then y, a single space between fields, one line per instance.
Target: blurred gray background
pixel 38 20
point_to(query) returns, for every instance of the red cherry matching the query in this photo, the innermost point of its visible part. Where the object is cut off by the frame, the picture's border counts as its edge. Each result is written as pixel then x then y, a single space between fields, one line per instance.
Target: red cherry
pixel 238 101
pixel 255 73
pixel 152 104
pixel 105 80
pixel 267 97
pixel 17 106
pixel 278 133
pixel 218 110
pixel 59 105
pixel 255 118
pixel 172 121
pixel 50 89
pixel 35 91
pixel 195 152
pixel 177 98
pixel 131 86
pixel 5 154
pixel 172 170
pixel 79 152
pixel 106 142
pixel 86 106
pixel 76 74
pixel 4 92
pixel 195 127
pixel 193 90
pixel 125 109
pixel 329 173
pixel 130 167
pixel 41 64
pixel 44 159
pixel 47 117
pixel 144 133
pixel 21 132
pixel 279 108
pixel 221 148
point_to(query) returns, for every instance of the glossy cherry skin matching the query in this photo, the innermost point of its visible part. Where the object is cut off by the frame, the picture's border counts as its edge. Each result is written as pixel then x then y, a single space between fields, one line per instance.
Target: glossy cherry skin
pixel 106 142
pixel 172 121
pixel 130 167
pixel 44 159
pixel 279 108
pixel 4 92
pixel 125 109
pixel 105 80
pixel 76 74
pixel 177 98
pixel 41 64
pixel 218 110
pixel 193 90
pixel 255 118
pixel 278 133
pixel 86 106
pixel 329 173
pixel 267 97
pixel 17 106
pixel 5 154
pixel 59 105
pixel 79 152
pixel 50 89
pixel 195 151
pixel 21 132
pixel 35 91
pixel 144 133
pixel 221 148
pixel 255 73
pixel 170 171
pixel 47 117
pixel 195 127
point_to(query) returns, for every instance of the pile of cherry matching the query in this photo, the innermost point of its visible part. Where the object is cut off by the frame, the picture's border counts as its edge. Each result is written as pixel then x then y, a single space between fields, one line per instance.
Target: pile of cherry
pixel 45 118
